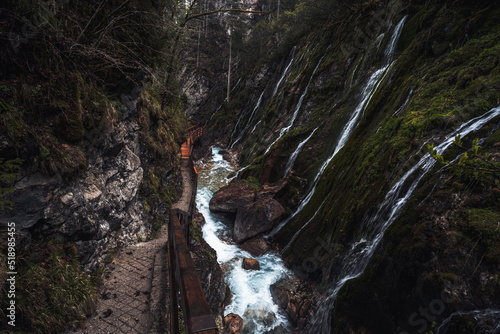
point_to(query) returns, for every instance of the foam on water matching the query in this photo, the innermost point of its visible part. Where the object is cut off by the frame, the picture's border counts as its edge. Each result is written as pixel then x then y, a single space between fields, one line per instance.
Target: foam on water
pixel 251 298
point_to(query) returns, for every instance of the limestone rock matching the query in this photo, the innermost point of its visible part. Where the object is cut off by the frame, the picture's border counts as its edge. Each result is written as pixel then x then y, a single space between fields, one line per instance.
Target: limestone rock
pixel 98 208
pixel 250 264
pixel 256 246
pixel 231 197
pixel 209 271
pixel 238 194
pixel 256 317
pixel 256 217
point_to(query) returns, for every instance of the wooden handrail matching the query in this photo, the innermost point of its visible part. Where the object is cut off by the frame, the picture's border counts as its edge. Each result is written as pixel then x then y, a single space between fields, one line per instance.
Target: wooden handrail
pixel 183 276
pixel 186 283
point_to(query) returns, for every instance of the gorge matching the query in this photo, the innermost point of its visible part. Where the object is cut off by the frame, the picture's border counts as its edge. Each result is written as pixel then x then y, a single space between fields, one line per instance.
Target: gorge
pixel 350 147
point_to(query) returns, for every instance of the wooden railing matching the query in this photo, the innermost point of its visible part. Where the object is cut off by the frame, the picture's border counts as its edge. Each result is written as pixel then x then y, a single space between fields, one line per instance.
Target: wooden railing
pixel 185 216
pixel 184 279
pixel 186 284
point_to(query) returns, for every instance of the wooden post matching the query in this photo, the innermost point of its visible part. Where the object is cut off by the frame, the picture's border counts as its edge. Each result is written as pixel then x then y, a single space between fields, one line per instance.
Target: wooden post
pixel 229 70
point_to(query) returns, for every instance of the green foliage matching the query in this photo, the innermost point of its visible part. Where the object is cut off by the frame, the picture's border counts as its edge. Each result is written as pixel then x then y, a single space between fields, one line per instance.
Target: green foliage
pixel 465 157
pixel 52 292
pixel 63 66
pixel 252 182
pixel 482 225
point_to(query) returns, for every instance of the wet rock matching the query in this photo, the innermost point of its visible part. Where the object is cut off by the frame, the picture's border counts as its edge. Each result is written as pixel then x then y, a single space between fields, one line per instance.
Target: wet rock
pixel 233 323
pixel 231 197
pixel 236 195
pixel 250 264
pixel 222 152
pixel 296 298
pixel 258 316
pixel 256 246
pixel 256 217
pixel 210 272
pixel 198 220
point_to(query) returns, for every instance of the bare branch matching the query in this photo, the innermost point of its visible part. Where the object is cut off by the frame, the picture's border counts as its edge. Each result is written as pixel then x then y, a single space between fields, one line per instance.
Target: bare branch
pixel 236 10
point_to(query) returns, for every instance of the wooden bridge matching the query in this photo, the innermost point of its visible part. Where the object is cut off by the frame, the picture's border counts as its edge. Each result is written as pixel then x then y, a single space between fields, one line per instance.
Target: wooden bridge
pixel 185 283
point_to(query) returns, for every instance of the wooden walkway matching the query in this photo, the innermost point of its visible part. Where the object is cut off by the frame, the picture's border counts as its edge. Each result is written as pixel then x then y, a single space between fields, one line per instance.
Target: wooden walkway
pixel 185 282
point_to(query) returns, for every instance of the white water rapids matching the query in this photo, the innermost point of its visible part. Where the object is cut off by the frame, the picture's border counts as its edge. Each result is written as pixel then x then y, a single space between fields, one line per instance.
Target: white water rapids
pixel 252 298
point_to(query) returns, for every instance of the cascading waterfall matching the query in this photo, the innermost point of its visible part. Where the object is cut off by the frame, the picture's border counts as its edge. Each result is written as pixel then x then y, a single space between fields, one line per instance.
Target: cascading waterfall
pixel 285 71
pixel 251 297
pixel 257 106
pixel 403 106
pixel 295 154
pixel 367 93
pixel 299 104
pixel 236 128
pixel 255 126
pixel 489 320
pixel 359 254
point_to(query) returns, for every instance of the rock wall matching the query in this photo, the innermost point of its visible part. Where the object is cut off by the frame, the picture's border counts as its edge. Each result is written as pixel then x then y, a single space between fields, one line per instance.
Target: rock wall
pixel 100 208
pixel 209 271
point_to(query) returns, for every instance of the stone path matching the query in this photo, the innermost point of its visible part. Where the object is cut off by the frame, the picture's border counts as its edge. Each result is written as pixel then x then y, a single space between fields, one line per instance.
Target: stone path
pixel 134 296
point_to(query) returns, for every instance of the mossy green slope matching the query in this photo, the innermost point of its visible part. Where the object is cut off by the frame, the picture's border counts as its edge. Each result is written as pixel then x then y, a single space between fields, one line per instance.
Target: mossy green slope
pixel 447 71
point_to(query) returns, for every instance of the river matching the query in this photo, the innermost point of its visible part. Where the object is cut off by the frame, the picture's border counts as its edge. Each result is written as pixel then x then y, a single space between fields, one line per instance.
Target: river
pixel 251 298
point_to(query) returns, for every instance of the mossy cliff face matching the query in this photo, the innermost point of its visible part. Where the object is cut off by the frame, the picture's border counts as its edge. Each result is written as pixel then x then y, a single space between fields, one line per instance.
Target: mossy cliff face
pixel 97 137
pixel 446 71
pixel 119 197
pixel 89 145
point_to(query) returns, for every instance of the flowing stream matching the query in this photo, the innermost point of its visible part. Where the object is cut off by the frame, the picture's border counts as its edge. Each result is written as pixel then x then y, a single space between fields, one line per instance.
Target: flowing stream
pixel 357 256
pixel 251 298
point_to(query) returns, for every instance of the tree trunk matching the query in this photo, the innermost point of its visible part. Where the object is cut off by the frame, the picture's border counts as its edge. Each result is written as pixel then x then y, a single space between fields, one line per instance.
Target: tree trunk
pixel 198 52
pixel 229 70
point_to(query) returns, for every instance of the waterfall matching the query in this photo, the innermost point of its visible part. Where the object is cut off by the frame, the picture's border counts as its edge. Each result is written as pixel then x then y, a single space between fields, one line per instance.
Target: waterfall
pixel 367 93
pixel 303 227
pixel 378 41
pixel 255 127
pixel 295 154
pixel 285 71
pixel 236 128
pixel 248 121
pixel 299 104
pixel 255 109
pixel 371 87
pixel 359 254
pixel 489 318
pixel 403 106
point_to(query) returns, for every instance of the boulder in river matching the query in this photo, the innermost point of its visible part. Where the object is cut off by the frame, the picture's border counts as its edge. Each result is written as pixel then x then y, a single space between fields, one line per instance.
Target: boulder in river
pixel 238 194
pixel 259 317
pixel 256 246
pixel 231 197
pixel 250 264
pixel 256 217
